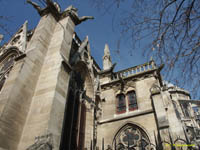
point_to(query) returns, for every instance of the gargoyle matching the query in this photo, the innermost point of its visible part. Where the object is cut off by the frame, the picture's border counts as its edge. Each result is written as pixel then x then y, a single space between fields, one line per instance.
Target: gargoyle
pixel 54 8
pixel 73 12
pixel 50 7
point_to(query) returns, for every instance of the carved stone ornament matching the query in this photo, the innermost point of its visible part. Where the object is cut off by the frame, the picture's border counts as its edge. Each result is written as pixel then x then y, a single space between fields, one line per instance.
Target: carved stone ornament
pixel 44 142
pixel 77 56
pixel 73 13
pixel 155 89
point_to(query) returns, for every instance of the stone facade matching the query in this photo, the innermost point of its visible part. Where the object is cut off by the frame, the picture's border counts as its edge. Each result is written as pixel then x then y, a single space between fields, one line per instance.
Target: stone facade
pixel 53 95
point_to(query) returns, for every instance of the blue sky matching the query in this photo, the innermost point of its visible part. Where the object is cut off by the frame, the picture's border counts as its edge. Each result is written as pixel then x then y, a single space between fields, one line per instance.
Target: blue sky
pixel 101 30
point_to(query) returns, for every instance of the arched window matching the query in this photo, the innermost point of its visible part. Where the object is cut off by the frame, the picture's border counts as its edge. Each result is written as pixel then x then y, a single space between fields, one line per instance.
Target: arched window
pixel 132 101
pixel 121 103
pixel 5 67
pixel 176 110
pixel 6 63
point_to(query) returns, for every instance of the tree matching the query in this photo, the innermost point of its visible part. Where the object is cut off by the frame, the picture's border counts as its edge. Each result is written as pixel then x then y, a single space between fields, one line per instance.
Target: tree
pixel 4 29
pixel 170 30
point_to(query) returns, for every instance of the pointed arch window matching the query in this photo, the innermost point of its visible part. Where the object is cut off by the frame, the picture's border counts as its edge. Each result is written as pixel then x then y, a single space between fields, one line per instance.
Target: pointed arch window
pixel 121 103
pixel 126 103
pixel 132 101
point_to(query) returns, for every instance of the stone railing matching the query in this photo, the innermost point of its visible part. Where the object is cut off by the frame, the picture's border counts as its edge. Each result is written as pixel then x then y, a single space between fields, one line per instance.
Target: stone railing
pixel 134 70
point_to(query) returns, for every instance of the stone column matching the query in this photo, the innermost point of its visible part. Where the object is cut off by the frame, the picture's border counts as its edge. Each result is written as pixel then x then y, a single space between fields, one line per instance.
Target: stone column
pixel 17 93
pixel 48 103
pixel 161 115
pixel 89 127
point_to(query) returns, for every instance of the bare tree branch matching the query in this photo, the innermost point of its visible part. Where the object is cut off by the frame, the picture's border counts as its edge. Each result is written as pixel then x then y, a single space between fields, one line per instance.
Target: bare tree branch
pixel 172 29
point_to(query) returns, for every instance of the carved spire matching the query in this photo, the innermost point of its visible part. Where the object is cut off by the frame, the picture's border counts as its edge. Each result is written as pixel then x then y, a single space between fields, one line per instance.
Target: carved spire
pixel 19 40
pixel 107 63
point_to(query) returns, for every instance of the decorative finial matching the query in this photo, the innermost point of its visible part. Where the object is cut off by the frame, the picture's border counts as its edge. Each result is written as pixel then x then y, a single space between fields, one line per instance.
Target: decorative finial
pixel 107 63
pixel 106 50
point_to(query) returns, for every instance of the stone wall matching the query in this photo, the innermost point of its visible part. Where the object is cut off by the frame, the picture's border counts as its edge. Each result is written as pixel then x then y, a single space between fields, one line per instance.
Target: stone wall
pixel 24 77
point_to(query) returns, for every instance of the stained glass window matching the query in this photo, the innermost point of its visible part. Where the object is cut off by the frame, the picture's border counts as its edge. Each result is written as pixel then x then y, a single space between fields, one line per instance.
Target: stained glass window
pixel 121 103
pixel 132 101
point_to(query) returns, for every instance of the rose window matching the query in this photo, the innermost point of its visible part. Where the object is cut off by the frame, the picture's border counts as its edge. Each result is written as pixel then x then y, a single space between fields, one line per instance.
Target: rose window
pixel 131 138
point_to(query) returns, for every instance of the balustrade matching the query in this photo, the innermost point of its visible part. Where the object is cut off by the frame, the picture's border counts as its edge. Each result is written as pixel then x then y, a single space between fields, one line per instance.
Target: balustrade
pixel 134 70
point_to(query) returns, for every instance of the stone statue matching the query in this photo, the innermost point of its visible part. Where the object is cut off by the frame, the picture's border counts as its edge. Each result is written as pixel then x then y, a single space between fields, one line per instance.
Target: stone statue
pixel 73 13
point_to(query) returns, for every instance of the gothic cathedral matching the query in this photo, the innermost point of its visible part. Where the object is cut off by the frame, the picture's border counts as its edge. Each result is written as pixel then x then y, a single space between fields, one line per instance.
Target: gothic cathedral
pixel 54 96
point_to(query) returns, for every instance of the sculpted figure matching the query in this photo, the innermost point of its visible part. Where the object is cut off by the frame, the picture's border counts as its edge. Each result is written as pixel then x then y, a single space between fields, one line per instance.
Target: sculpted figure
pixel 73 12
